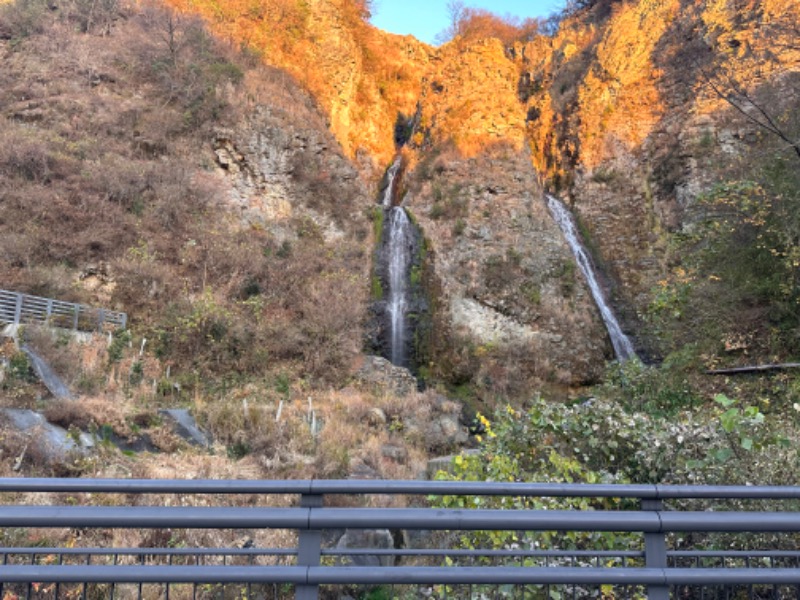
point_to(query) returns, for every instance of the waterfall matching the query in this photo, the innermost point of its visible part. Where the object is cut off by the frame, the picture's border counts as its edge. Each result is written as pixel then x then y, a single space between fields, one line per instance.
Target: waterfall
pixel 399 243
pixel 623 348
pixel 402 304
pixel 391 176
pixel 399 240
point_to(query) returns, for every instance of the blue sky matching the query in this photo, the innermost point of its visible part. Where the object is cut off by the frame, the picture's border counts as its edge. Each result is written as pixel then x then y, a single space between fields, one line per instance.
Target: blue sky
pixel 425 18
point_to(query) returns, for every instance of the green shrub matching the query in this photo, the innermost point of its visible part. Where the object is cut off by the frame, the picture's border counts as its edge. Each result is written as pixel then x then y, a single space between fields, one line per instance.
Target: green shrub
pixel 600 441
pixel 376 288
pixel 377 224
pixel 137 373
pixel 120 340
pixel 20 368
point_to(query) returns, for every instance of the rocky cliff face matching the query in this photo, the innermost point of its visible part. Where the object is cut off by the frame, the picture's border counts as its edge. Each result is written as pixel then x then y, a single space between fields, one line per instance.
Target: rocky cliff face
pixel 507 305
pixel 510 307
pixel 280 173
pixel 616 112
pixel 364 79
pixel 624 120
pixel 469 99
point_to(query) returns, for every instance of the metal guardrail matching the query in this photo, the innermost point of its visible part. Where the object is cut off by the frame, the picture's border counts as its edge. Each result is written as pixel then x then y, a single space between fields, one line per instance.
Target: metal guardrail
pixel 655 571
pixel 17 309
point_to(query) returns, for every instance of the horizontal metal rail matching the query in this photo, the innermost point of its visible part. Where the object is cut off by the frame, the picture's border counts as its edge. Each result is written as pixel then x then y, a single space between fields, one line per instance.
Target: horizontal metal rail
pixel 654 567
pixel 395 575
pixel 140 517
pixel 399 487
pixel 39 551
pixel 17 309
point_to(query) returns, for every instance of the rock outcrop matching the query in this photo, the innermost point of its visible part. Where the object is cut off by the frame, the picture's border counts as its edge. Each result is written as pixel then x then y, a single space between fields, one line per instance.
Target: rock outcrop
pixel 365 80
pixel 509 305
pixel 380 373
pixel 281 169
pixel 624 120
pixel 469 99
pixel 48 444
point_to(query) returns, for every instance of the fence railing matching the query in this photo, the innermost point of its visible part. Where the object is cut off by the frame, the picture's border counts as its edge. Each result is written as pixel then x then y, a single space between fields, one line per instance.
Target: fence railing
pixel 17 309
pixel 655 570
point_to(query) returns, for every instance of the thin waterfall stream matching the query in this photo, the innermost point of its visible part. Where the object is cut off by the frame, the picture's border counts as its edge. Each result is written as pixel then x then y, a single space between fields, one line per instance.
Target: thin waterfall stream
pixel 623 347
pixel 399 242
pixel 397 255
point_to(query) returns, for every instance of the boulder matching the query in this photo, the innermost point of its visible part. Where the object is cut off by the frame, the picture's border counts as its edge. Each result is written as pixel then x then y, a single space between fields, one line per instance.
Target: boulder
pixel 379 372
pixel 185 426
pixel 50 443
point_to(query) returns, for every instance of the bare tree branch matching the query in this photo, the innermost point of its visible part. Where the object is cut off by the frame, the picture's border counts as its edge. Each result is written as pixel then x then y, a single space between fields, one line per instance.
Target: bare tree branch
pixel 737 96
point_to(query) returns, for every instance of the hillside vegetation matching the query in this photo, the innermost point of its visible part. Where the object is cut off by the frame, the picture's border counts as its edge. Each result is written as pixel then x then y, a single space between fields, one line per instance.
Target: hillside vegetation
pixel 211 168
pixel 113 194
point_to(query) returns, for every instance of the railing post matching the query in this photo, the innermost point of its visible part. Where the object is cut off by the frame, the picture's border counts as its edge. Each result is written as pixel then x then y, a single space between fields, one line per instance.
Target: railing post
pixel 309 548
pixel 18 310
pixel 49 311
pixel 655 552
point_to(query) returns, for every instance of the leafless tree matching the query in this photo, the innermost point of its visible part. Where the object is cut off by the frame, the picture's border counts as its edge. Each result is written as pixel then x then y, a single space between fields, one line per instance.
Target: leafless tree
pixel 456 11
pixel 757 111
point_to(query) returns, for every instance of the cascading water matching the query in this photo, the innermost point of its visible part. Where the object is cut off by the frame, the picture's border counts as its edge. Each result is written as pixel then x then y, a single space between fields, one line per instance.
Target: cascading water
pixel 391 177
pixel 399 244
pixel 623 348
pixel 400 304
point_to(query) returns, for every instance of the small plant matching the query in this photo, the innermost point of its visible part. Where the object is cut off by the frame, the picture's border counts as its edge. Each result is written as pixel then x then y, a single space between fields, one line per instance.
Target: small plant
pixel 282 384
pixel 416 275
pixel 376 288
pixel 739 423
pixel 137 373
pixel 238 450
pixel 20 368
pixel 377 224
pixel 532 293
pixel 285 250
pixel 604 175
pixel 120 340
